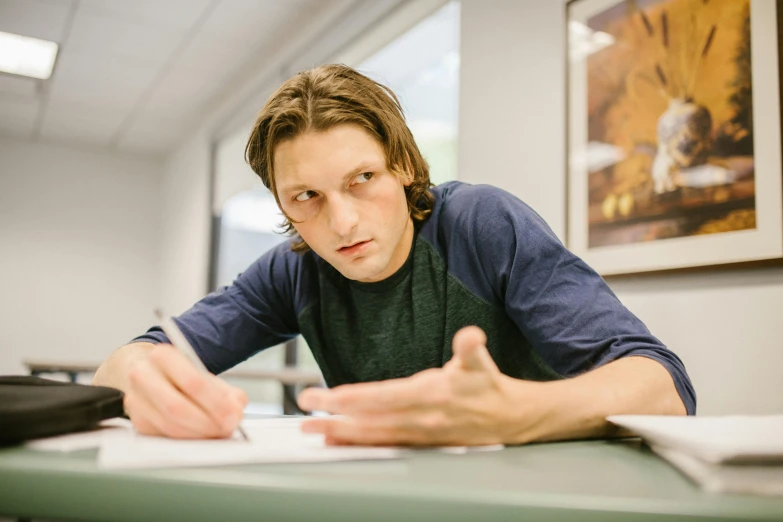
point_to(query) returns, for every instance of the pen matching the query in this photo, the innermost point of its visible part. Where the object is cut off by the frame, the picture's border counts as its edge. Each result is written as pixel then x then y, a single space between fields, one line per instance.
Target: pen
pixel 179 341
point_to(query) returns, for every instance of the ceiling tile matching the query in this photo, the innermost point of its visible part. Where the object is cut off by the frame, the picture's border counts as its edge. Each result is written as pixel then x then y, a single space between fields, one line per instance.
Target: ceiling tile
pixel 83 123
pixel 152 134
pixel 255 21
pixel 116 53
pixel 181 93
pixel 43 20
pixel 95 35
pixel 18 87
pixel 171 13
pixel 99 81
pixel 18 117
pixel 213 55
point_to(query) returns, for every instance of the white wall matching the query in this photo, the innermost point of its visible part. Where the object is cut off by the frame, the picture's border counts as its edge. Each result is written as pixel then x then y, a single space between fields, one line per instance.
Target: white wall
pixel 511 124
pixel 727 326
pixel 79 239
pixel 185 225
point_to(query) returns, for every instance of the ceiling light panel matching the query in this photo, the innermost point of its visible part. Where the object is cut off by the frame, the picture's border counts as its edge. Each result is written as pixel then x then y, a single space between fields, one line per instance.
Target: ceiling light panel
pixel 27 56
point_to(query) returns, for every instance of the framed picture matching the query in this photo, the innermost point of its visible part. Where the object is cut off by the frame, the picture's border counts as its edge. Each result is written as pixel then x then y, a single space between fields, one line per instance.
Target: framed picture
pixel 674 136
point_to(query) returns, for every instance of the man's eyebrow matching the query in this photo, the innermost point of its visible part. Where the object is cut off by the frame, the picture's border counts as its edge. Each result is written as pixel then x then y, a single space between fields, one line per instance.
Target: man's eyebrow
pixel 364 165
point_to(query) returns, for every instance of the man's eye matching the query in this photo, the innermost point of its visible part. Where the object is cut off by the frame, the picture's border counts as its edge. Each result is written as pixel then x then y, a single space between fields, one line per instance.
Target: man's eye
pixel 304 196
pixel 364 177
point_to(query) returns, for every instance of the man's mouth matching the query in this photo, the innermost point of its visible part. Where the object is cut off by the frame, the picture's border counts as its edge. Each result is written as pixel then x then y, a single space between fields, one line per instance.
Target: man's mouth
pixel 354 248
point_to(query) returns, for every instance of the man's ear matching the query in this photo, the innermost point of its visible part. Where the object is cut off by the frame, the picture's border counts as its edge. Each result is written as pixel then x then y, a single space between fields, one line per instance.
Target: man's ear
pixel 404 175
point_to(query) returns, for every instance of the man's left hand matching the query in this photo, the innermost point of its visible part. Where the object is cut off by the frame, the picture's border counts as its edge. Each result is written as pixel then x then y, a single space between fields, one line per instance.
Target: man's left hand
pixel 467 402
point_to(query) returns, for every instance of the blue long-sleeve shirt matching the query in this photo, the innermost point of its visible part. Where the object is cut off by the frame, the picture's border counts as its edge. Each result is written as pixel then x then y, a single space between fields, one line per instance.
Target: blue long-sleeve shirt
pixel 482 258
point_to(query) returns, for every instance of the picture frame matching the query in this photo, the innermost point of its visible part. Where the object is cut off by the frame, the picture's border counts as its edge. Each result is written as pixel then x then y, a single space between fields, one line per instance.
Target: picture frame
pixel 674 134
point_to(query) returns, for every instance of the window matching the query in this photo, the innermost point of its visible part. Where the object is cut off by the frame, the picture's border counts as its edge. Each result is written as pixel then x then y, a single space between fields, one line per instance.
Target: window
pixel 422 68
pixel 245 226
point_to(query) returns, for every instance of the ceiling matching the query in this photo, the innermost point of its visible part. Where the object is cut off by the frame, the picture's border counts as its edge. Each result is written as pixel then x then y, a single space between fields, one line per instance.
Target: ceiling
pixel 135 75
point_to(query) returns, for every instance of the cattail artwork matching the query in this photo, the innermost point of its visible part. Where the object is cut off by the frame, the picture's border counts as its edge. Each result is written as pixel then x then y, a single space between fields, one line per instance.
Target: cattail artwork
pixel 662 39
pixel 670 112
pixel 684 130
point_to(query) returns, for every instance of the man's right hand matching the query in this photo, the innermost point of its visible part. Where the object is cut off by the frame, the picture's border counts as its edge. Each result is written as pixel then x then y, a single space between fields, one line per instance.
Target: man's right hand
pixel 166 395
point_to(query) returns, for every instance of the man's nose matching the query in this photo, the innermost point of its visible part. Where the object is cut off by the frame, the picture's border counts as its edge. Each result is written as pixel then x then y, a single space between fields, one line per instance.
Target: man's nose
pixel 343 216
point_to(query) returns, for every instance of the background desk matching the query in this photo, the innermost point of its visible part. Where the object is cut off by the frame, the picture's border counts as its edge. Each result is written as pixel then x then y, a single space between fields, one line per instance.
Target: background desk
pixel 587 481
pixel 291 378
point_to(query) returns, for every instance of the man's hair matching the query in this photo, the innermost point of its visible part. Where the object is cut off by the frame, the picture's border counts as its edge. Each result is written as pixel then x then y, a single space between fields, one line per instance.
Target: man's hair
pixel 323 97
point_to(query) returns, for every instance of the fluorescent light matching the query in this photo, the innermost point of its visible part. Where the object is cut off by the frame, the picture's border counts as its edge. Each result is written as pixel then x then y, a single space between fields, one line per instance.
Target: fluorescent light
pixel 26 56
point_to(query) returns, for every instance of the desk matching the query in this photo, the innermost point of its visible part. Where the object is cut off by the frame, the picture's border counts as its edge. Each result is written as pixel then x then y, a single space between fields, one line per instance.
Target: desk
pixel 586 481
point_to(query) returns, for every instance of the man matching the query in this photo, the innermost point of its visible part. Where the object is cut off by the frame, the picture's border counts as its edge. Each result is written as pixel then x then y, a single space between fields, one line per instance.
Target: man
pixel 446 315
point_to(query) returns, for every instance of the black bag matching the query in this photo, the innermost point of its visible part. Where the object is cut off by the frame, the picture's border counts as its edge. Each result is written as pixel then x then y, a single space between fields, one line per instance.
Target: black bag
pixel 31 407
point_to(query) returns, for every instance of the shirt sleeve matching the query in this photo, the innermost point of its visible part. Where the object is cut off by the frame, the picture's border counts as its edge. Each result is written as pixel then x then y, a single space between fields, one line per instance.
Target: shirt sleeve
pixel 256 312
pixel 563 307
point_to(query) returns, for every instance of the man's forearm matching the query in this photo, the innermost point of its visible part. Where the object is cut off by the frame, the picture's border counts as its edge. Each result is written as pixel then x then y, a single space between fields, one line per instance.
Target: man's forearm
pixel 113 372
pixel 577 407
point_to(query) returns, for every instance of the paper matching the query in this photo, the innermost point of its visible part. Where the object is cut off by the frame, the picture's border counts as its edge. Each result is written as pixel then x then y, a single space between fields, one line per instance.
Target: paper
pixel 271 441
pixel 275 440
pixel 461 450
pixel 83 439
pixel 757 479
pixel 729 439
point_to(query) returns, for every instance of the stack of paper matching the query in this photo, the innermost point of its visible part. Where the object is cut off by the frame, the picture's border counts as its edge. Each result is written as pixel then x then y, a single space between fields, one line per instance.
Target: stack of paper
pixel 739 454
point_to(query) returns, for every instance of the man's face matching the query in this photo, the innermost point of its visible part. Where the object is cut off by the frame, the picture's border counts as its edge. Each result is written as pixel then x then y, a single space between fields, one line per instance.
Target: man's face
pixel 344 202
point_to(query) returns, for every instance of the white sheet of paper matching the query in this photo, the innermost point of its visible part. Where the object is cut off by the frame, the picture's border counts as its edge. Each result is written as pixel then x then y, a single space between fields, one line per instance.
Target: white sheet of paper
pixel 738 438
pixel 83 439
pixel 271 441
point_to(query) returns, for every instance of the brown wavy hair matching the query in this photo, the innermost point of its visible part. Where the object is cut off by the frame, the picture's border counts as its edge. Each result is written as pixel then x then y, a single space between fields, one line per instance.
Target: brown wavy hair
pixel 326 96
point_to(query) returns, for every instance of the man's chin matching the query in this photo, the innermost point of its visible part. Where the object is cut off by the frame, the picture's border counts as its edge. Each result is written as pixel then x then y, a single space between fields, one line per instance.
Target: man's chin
pixel 362 271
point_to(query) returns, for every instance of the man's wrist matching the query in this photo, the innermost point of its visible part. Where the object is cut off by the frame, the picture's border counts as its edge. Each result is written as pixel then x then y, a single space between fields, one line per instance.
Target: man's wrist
pixel 114 371
pixel 556 410
pixel 529 411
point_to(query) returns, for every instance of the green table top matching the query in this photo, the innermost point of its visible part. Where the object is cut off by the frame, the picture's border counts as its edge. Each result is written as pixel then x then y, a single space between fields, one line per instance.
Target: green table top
pixel 586 480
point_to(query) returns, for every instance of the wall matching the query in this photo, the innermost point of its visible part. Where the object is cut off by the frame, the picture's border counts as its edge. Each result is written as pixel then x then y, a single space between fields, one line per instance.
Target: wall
pixel 78 251
pixel 726 325
pixel 185 225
